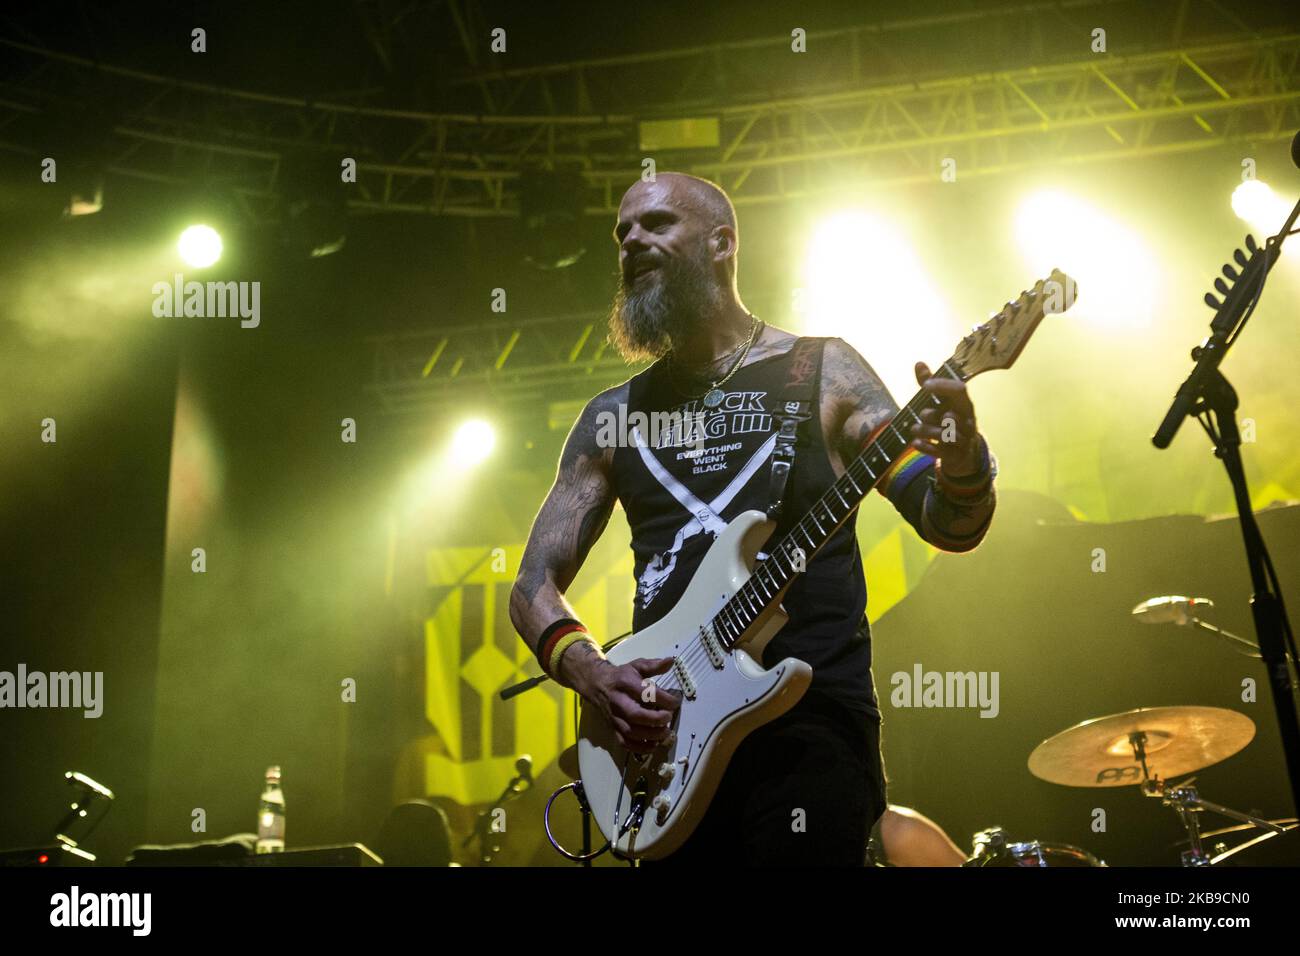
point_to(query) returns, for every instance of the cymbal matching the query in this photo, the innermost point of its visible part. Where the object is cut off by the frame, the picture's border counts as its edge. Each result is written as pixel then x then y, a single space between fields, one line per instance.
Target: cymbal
pixel 1178 741
pixel 568 762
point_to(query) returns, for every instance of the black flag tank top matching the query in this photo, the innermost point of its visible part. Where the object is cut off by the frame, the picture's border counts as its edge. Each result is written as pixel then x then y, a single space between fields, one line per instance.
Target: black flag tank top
pixel 681 483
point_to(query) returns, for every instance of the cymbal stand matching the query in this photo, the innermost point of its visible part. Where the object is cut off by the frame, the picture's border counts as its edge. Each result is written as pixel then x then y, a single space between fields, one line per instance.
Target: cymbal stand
pixel 1187 801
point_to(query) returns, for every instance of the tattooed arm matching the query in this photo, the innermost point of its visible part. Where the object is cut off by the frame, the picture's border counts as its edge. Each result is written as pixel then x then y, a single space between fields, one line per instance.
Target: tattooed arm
pixel 854 400
pixel 571 519
pixel 952 513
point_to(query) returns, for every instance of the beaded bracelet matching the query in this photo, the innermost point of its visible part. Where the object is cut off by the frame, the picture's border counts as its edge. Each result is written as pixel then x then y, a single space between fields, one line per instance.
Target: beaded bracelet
pixel 968 486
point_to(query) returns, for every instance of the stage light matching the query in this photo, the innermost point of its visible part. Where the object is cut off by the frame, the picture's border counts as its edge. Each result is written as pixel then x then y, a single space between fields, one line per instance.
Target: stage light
pixel 443 476
pixel 85 193
pixel 473 442
pixel 1263 210
pixel 862 279
pixel 200 246
pixel 551 204
pixel 1106 258
pixel 1255 202
pixel 314 209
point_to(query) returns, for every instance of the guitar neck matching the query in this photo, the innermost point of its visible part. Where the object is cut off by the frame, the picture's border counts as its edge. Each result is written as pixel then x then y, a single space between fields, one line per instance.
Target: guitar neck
pixel 791 554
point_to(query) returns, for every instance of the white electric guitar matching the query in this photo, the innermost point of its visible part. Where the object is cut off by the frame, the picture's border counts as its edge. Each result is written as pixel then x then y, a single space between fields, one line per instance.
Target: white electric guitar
pixel 647 805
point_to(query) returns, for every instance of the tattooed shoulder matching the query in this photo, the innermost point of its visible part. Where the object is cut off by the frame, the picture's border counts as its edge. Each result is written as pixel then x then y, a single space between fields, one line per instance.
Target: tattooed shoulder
pixel 853 398
pixel 582 442
pixel 772 341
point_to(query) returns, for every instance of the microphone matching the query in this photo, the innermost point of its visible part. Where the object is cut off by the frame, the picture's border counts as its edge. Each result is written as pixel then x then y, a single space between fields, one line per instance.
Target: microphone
pixel 524 767
pixel 95 788
pixel 1170 609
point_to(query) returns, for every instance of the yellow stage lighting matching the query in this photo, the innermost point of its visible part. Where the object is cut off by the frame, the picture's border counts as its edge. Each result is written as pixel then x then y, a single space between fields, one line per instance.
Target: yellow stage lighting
pixel 1255 202
pixel 1108 259
pixel 1264 211
pixel 863 282
pixel 200 246
pixel 473 442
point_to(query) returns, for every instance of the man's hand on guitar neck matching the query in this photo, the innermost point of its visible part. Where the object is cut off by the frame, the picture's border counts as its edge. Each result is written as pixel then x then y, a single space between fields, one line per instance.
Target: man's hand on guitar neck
pixel 640 711
pixel 953 507
pixel 947 432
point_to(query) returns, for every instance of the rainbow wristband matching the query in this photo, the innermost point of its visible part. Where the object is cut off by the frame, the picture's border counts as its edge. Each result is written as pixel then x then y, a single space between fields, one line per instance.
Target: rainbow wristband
pixel 909 465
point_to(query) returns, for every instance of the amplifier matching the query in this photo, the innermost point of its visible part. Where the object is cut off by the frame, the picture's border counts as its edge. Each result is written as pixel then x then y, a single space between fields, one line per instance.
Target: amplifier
pixel 235 854
pixel 345 854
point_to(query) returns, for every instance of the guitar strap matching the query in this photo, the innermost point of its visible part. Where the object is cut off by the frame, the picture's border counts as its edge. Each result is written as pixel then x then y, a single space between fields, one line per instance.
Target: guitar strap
pixel 796 403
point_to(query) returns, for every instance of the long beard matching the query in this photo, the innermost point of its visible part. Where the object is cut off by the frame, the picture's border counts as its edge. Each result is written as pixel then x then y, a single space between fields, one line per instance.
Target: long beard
pixel 663 308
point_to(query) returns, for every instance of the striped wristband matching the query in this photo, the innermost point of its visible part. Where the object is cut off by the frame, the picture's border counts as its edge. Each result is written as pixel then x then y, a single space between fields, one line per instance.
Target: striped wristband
pixel 558 638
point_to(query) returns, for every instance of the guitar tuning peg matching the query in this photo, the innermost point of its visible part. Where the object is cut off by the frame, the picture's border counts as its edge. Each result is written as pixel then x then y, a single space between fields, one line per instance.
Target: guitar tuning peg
pixel 1212 302
pixel 1241 258
pixel 1250 244
pixel 1231 273
pixel 1221 286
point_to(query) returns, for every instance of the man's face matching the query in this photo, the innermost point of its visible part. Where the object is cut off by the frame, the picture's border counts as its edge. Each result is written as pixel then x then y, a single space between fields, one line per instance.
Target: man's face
pixel 666 283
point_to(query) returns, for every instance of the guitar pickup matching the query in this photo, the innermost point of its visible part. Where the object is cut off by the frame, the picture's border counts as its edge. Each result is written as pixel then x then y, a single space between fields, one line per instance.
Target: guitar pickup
pixel 712 647
pixel 684 678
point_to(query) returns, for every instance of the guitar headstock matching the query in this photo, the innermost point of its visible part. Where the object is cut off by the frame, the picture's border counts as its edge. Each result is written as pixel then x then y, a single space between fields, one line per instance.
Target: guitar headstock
pixel 999 341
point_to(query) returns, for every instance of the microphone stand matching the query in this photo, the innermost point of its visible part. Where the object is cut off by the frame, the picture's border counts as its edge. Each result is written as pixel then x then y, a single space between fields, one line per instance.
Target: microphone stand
pixel 514 690
pixel 1209 396
pixel 1228 636
pixel 489 845
pixel 92 794
pixel 586 856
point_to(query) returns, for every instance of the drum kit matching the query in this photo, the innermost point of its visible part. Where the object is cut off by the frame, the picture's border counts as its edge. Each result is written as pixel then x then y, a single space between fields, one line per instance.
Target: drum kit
pixel 1147 747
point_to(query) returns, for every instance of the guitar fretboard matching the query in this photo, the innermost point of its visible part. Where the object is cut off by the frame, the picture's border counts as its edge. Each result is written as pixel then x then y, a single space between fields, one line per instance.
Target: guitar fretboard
pixel 797 548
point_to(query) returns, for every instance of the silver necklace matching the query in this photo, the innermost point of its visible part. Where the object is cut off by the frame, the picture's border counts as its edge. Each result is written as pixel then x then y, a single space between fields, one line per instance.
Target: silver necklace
pixel 714 395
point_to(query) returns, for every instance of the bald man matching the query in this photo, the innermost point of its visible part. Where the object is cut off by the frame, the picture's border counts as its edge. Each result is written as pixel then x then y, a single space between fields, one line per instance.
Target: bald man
pixel 806 787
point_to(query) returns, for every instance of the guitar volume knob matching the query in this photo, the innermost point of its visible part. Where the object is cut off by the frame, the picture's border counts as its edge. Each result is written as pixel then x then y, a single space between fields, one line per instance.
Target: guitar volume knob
pixel 660 805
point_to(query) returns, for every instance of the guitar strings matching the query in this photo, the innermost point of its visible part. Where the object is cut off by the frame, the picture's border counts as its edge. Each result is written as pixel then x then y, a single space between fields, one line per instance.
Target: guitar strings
pixel 696 653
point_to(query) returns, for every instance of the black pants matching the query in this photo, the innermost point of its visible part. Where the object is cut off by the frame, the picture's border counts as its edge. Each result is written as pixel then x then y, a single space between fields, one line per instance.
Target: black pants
pixel 803 790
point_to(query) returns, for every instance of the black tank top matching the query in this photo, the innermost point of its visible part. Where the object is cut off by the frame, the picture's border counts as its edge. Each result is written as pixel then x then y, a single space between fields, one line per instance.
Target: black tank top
pixel 663 484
